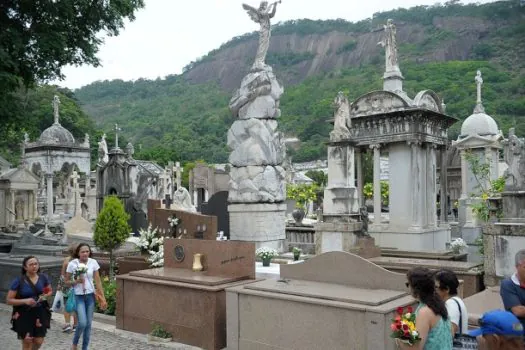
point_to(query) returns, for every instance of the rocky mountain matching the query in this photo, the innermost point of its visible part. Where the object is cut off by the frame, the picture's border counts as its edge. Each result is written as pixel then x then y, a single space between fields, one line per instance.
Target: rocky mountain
pixel 186 116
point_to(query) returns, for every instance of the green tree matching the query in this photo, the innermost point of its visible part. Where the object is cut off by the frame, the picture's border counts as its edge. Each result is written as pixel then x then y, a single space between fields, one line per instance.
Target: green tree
pixel 302 194
pixel 319 177
pixel 111 228
pixel 40 37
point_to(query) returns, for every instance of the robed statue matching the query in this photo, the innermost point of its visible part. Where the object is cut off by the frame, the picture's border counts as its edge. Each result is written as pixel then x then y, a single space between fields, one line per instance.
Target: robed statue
pixel 103 157
pixel 262 15
pixel 390 45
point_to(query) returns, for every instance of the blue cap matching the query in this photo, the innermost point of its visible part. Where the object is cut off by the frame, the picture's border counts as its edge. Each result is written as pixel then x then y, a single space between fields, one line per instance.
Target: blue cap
pixel 498 322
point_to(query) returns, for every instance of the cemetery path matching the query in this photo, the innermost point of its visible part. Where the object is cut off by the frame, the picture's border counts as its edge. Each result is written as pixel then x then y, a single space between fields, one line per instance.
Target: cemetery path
pixel 102 337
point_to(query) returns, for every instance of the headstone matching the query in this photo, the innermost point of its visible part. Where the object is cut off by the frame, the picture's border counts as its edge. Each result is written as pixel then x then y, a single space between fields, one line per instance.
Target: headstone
pixel 218 206
pixel 337 287
pixel 194 300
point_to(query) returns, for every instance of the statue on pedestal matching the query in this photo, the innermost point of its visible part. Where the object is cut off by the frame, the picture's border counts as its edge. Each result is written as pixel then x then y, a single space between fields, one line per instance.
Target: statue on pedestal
pixel 262 15
pixel 390 45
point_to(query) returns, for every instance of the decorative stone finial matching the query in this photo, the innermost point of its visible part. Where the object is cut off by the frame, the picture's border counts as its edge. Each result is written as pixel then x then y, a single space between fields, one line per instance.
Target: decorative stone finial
pixel 55 104
pixel 393 79
pixel 479 81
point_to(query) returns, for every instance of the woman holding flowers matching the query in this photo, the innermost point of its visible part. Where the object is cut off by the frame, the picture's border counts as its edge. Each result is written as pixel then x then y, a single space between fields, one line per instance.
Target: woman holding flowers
pixel 82 273
pixel 432 323
pixel 28 294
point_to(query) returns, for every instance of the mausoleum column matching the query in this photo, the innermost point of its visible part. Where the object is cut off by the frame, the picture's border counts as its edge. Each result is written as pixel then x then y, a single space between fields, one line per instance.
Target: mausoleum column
pixel 417 201
pixel 443 182
pixel 35 204
pixel 464 166
pixel 377 183
pixel 359 166
pixel 49 179
pixel 12 216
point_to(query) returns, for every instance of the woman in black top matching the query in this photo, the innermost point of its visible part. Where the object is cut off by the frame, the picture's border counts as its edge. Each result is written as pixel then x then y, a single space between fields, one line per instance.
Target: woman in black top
pixel 28 295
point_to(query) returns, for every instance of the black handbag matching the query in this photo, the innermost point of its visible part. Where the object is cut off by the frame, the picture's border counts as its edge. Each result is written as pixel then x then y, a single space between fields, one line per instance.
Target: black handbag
pixel 463 341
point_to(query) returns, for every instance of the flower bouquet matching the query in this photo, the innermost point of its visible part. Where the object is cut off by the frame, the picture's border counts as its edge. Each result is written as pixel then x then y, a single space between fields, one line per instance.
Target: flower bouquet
pixel 458 245
pixel 266 254
pixel 45 293
pixel 80 270
pixel 404 326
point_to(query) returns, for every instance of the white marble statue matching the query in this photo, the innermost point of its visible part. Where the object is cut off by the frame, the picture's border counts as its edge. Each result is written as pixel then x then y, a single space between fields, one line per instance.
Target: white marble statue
pixel 182 199
pixel 341 116
pixel 262 15
pixel 103 157
pixel 514 154
pixel 130 150
pixel 390 45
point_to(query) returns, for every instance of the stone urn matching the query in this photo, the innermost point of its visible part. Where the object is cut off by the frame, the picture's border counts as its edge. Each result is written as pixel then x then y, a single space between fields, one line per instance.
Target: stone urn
pixel 298 215
pixel 197 263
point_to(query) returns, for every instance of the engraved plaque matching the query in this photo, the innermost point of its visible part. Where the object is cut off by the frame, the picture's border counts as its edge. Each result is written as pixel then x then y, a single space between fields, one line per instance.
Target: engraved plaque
pixel 178 251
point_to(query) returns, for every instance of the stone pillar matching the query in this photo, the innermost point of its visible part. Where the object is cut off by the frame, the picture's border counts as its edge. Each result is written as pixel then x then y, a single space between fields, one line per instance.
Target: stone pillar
pixel 49 179
pixel 444 186
pixel 416 190
pixel 377 184
pixel 35 204
pixel 464 172
pixel 359 167
pixel 206 195
pixel 431 185
pixel 12 215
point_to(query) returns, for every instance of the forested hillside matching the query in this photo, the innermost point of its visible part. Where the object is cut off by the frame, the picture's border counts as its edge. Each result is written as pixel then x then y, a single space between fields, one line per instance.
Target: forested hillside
pixel 186 117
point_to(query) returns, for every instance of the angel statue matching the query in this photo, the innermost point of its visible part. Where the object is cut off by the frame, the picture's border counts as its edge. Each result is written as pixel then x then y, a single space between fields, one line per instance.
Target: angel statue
pixel 390 45
pixel 341 116
pixel 103 150
pixel 262 16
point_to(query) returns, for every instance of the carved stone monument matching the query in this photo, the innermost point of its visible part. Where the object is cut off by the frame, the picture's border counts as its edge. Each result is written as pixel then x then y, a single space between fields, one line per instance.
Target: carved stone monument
pixel 257 188
pixel 503 239
pixel 480 137
pixel 412 131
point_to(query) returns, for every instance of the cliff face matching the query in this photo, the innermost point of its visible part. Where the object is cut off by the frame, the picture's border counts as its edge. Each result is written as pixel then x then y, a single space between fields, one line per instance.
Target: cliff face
pixel 296 57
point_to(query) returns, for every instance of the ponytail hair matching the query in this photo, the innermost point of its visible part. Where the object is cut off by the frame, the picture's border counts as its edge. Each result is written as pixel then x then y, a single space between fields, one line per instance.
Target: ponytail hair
pixel 423 287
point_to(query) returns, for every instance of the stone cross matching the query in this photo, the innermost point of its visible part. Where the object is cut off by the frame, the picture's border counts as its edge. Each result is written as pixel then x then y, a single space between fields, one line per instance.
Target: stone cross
pixel 165 178
pixel 55 104
pixel 167 201
pixel 117 129
pixel 78 208
pixel 177 169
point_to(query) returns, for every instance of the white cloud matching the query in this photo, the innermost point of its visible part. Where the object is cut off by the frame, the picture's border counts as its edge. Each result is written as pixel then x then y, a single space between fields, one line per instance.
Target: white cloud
pixel 168 34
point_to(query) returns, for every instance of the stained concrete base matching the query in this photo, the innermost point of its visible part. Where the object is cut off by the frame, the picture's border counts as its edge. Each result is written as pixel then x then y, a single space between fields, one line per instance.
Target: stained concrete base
pixel 421 239
pixel 261 223
pixel 479 303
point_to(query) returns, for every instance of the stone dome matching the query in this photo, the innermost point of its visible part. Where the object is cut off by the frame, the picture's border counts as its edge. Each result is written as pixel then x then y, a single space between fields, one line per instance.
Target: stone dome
pixel 479 124
pixel 56 133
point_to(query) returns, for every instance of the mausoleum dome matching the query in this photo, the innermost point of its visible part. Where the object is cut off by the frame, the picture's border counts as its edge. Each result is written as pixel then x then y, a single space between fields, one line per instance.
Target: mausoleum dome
pixel 479 124
pixel 56 133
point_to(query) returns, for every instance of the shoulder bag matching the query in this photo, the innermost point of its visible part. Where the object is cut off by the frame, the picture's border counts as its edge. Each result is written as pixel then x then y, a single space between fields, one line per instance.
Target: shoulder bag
pixel 463 341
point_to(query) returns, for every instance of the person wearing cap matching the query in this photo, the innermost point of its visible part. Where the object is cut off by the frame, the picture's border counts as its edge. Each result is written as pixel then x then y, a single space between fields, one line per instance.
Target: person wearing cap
pixel 512 290
pixel 499 329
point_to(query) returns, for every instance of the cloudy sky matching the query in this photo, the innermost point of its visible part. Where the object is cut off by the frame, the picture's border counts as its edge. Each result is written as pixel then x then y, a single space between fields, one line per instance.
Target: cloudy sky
pixel 168 34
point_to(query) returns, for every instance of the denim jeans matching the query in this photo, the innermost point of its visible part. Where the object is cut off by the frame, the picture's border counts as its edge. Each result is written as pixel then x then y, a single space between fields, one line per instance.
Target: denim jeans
pixel 85 310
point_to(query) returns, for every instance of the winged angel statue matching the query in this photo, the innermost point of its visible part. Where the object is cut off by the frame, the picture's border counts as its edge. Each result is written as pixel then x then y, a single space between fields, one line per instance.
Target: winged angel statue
pixel 262 16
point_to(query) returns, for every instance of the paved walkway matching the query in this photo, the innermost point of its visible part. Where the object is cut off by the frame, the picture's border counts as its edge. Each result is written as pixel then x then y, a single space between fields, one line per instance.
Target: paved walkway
pixel 103 336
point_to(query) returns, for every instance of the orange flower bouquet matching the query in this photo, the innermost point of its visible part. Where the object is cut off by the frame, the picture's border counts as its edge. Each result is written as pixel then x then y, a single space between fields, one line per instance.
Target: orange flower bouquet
pixel 404 326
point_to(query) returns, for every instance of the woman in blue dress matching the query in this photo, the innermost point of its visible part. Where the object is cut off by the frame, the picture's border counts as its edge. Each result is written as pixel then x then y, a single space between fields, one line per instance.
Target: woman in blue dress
pixel 28 294
pixel 432 321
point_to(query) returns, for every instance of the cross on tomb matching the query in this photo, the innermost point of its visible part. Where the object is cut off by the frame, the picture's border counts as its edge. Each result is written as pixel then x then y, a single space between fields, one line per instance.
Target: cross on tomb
pixel 167 201
pixel 117 129
pixel 177 169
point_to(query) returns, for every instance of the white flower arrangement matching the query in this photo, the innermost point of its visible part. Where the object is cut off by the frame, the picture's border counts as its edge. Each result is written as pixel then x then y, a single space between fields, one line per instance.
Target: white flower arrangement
pixel 148 240
pixel 458 245
pixel 157 258
pixel 173 220
pixel 266 253
pixel 80 270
